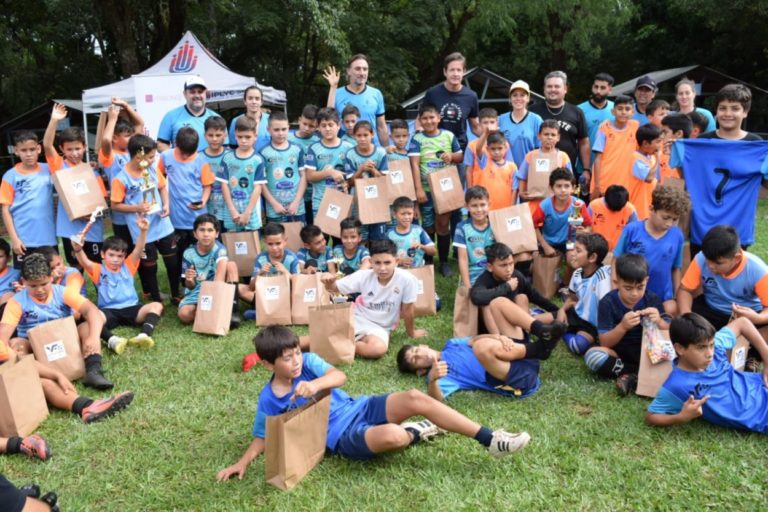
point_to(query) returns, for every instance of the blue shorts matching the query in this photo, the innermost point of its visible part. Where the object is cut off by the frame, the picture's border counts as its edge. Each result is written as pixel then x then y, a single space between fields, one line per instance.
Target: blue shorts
pixel 288 218
pixel 352 442
pixel 427 217
pixel 522 379
pixel 191 296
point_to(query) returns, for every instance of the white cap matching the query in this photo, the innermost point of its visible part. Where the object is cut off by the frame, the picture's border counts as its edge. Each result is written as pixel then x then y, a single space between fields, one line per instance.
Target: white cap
pixel 194 81
pixel 520 84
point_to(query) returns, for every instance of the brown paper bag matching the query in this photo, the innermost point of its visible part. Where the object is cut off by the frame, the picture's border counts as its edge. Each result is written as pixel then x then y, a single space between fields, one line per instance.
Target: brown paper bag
pixel 541 167
pixel 332 332
pixel 293 235
pixel 57 344
pixel 79 191
pixel 513 226
pixel 400 180
pixel 464 314
pixel 242 248
pixel 295 442
pixel 214 308
pixel 546 275
pixel 650 376
pixel 273 300
pixel 372 200
pixel 425 299
pixel 738 354
pixel 447 192
pixel 685 221
pixel 22 402
pixel 306 291
pixel 334 208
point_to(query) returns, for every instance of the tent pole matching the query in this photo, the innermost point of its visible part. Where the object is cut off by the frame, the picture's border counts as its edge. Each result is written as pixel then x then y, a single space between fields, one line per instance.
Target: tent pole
pixel 85 129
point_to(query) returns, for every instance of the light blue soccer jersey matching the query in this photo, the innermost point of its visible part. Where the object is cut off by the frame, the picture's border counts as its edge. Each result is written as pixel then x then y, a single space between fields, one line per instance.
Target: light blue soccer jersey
pixel 318 158
pixel 112 166
pixel 7 278
pixel 522 137
pixel 474 241
pixel 290 261
pixel 283 168
pixel 242 176
pixel 352 264
pixel 30 198
pixel 404 242
pixel 179 118
pixel 186 181
pixel 216 204
pixel 159 227
pixel 321 259
pixel 204 264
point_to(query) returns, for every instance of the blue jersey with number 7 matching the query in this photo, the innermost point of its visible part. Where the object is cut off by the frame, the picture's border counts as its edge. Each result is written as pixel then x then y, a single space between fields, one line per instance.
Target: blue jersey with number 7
pixel 723 179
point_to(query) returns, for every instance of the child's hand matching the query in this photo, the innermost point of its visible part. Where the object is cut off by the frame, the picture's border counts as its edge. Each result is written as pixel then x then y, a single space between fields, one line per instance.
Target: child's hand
pixel 630 320
pixel 513 282
pixel 280 268
pixel 692 408
pixel 506 342
pixel 562 316
pixel 406 262
pixel 651 313
pixel 332 76
pixel 17 286
pixel 309 270
pixel 742 311
pixel 166 211
pixel 65 385
pixel 292 208
pixel 421 196
pixel 235 469
pixel 141 221
pixel 190 274
pixel 446 157
pixel 581 229
pixel 196 206
pixel 305 389
pixel 59 112
pixel 419 333
pixel 18 247
pixel 438 371
pixel 338 176
pixel 266 268
pixel 549 251
pixel 327 278
pixel 118 102
pixel 113 112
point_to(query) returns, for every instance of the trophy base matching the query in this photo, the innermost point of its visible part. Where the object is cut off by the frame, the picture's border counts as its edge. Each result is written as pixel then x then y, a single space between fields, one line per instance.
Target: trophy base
pixel 77 239
pixel 155 208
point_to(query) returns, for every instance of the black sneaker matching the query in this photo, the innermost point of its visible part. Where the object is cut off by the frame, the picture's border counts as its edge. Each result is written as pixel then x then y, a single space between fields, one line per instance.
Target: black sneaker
pixel 235 321
pixel 626 384
pixel 551 333
pixel 30 490
pixel 95 379
pixel 445 269
pixel 51 500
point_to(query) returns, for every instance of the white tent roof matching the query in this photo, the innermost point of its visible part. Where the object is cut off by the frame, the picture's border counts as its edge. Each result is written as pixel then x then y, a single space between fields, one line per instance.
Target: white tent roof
pixel 189 57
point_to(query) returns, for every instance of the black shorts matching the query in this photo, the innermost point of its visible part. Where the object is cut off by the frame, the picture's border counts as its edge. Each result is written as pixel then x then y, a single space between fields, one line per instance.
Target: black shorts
pixel 576 324
pixel 716 318
pixel 122 231
pixel 165 246
pixel 13 500
pixel 122 316
pixel 91 249
pixel 18 261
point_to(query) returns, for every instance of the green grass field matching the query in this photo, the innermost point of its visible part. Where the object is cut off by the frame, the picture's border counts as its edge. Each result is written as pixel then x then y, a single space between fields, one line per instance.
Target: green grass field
pixel 194 409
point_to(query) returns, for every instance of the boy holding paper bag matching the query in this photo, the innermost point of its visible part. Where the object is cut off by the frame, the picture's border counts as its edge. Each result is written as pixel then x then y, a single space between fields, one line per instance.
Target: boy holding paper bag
pixel 358 428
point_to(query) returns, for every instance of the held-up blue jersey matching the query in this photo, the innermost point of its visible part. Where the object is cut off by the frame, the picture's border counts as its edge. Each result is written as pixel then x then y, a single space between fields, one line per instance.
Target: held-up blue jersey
pixel 723 179
pixel 283 168
pixel 474 241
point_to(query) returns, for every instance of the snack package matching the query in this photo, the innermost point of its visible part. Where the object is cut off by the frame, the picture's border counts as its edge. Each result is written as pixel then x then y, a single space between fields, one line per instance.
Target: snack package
pixel 659 349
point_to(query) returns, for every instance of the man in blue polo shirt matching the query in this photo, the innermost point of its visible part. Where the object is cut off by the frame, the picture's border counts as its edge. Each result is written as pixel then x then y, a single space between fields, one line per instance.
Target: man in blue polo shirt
pixel 193 113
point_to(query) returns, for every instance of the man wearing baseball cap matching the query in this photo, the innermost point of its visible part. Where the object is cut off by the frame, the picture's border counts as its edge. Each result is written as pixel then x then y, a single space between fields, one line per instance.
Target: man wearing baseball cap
pixel 193 113
pixel 645 91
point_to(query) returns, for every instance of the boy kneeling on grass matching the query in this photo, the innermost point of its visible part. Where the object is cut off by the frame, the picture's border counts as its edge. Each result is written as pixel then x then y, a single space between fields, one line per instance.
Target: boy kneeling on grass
pixel 703 382
pixel 488 362
pixel 117 293
pixel 358 428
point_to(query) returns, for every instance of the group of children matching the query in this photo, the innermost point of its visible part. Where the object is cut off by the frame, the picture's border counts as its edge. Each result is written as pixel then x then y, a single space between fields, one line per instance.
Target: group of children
pixel 178 203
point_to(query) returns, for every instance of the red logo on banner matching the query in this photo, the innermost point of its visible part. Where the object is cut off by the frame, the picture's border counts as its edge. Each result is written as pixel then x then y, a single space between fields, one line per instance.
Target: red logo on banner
pixel 185 60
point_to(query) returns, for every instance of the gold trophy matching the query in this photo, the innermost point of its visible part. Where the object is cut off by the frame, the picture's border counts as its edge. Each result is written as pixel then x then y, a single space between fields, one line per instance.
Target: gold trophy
pixel 79 238
pixel 148 189
pixel 339 298
pixel 575 220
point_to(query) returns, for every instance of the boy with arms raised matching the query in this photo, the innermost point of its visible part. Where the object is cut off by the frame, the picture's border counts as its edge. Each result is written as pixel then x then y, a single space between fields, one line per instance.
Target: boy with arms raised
pixel 386 294
pixel 472 236
pixel 216 137
pixel 26 195
pixel 431 150
pixel 489 122
pixel 614 145
pixel 611 213
pixel 494 169
pixel 704 384
pixel 42 301
pixel 284 169
pixel 619 323
pixel 117 295
pixel 660 242
pixel 645 168
pixel 549 136
pixel 358 428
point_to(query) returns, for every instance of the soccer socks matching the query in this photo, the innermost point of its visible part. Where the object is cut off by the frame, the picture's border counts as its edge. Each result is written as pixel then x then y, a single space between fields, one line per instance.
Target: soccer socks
pixel 536 350
pixel 443 247
pixel 603 364
pixel 81 403
pixel 484 436
pixel 150 322
pixel 174 271
pixel 106 334
pixel 415 433
pixel 148 276
pixel 576 343
pixel 13 446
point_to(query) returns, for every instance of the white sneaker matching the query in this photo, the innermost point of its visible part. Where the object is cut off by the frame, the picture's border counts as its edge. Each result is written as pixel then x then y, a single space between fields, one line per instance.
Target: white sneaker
pixel 142 340
pixel 426 429
pixel 505 443
pixel 117 344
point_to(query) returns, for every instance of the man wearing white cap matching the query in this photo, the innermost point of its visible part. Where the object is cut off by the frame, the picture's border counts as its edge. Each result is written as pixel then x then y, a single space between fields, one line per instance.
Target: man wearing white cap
pixel 193 113
pixel 645 91
pixel 519 126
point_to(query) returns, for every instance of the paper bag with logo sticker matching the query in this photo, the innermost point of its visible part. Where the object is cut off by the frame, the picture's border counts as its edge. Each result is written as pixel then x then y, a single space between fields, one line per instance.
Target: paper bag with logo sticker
pixel 334 208
pixel 295 442
pixel 651 376
pixel 464 314
pixel 447 192
pixel 332 332
pixel 57 344
pixel 22 402
pixel 293 235
pixel 513 226
pixel 372 200
pixel 79 191
pixel 738 354
pixel 541 166
pixel 426 304
pixel 400 178
pixel 546 274
pixel 273 300
pixel 214 308
pixel 306 291
pixel 242 248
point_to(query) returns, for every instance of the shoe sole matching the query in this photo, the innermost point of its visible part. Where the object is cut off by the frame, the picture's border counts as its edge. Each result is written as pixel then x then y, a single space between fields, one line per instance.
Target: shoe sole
pixel 119 349
pixel 100 387
pixel 142 343
pixel 120 403
pixel 35 453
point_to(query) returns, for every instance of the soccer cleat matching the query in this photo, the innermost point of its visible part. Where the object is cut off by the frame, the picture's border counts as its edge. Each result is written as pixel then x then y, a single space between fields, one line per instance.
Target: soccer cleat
pixel 426 429
pixel 106 407
pixel 142 340
pixel 445 269
pixel 505 443
pixel 51 499
pixel 30 490
pixel 35 446
pixel 551 333
pixel 626 384
pixel 95 379
pixel 117 344
pixel 235 321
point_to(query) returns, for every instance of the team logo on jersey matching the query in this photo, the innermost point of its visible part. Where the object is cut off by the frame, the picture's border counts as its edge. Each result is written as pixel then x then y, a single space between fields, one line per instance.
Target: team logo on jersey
pixel 244 182
pixel 277 173
pixel 289 172
pixel 185 60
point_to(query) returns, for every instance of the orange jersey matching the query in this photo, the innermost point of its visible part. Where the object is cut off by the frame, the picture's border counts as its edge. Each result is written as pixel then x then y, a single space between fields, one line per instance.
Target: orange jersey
pixel 641 190
pixel 609 223
pixel 497 180
pixel 617 148
pixel 665 171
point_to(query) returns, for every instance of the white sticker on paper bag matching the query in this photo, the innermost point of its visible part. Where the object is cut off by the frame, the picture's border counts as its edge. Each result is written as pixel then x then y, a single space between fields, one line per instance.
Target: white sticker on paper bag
pixel 241 248
pixel 740 357
pixel 420 287
pixel 333 211
pixel 79 187
pixel 206 302
pixel 396 177
pixel 514 224
pixel 542 165
pixel 55 351
pixel 371 191
pixel 446 184
pixel 272 292
pixel 310 294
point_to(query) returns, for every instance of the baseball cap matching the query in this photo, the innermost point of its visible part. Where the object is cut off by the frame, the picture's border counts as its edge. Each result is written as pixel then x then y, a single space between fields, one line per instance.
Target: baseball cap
pixel 520 84
pixel 194 81
pixel 646 81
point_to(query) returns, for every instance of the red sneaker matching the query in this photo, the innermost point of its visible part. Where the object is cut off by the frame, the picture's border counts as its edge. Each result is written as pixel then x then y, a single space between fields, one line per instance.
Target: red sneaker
pixel 106 407
pixel 35 446
pixel 250 360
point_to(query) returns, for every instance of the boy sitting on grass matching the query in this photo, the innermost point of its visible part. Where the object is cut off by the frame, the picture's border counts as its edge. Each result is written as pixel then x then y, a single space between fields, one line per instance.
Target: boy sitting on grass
pixel 488 362
pixel 351 255
pixel 315 256
pixel 703 382
pixel 207 261
pixel 385 294
pixel 117 293
pixel 472 236
pixel 504 294
pixel 619 323
pixel 358 428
